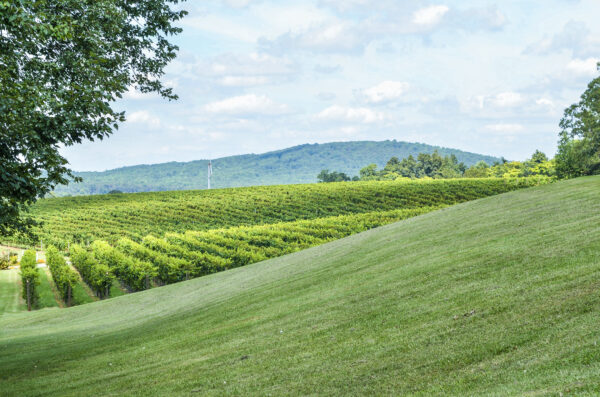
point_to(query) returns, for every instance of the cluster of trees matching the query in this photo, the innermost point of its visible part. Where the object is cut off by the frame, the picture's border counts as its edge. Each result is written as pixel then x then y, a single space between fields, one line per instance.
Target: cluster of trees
pixel 437 167
pixel 537 165
pixel 30 278
pixel 63 275
pixel 424 166
pixel 334 176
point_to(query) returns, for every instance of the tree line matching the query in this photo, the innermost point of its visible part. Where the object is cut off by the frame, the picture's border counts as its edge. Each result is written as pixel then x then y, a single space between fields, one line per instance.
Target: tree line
pixel 434 166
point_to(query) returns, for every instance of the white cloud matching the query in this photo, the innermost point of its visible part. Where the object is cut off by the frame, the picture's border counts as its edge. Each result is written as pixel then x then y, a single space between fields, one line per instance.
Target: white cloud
pixel 243 81
pixel 544 102
pixel 575 38
pixel 360 115
pixel 223 26
pixel 502 127
pixel 237 3
pixel 246 105
pixel 385 91
pixel 430 16
pixel 345 5
pixel 584 67
pixel 334 37
pixel 236 70
pixel 507 99
pixel 144 117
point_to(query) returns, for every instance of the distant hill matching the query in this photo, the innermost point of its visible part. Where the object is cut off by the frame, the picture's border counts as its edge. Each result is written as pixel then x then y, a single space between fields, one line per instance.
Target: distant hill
pixel 298 164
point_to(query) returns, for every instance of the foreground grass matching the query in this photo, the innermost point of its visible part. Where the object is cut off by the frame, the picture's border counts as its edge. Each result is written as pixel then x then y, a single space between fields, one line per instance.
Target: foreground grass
pixel 498 296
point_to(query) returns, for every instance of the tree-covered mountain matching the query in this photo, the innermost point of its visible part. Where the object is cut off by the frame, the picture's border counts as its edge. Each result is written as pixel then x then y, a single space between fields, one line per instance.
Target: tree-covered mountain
pixel 298 164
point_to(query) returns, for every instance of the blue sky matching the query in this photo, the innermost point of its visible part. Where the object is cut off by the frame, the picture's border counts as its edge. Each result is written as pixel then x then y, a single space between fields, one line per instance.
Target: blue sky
pixel 491 77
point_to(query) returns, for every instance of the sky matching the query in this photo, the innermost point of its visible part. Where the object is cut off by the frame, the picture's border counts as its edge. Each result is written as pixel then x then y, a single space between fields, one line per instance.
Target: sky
pixel 490 77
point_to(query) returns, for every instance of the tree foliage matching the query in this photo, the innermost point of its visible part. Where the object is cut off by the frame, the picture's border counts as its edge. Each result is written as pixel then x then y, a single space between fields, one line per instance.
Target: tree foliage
pixel 333 176
pixel 63 63
pixel 434 166
pixel 424 166
pixel 579 143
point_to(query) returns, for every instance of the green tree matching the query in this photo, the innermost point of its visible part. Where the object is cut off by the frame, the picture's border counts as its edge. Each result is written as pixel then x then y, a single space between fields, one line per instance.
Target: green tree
pixel 579 143
pixel 334 176
pixel 479 170
pixel 408 167
pixel 63 63
pixel 369 172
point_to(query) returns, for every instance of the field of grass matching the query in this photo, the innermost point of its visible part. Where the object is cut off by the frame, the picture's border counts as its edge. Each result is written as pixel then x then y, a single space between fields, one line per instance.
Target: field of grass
pixel 116 290
pixel 110 217
pixel 47 296
pixel 81 294
pixel 498 296
pixel 10 292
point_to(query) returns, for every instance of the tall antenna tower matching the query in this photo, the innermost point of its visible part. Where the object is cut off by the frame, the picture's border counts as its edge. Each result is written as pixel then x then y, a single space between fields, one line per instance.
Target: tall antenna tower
pixel 209 172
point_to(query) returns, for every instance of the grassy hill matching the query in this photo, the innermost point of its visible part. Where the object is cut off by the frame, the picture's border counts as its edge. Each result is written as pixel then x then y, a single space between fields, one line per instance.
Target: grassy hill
pixel 298 164
pixel 497 296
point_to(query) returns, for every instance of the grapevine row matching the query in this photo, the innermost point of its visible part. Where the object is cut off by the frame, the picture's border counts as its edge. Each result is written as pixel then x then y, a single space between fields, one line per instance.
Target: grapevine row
pixel 179 256
pixel 63 275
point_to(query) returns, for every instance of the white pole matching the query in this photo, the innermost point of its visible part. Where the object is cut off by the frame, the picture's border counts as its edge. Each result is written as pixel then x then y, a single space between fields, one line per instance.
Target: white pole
pixel 209 172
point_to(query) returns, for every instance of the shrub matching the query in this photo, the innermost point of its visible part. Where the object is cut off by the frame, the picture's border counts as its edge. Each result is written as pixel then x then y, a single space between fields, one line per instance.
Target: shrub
pixel 30 278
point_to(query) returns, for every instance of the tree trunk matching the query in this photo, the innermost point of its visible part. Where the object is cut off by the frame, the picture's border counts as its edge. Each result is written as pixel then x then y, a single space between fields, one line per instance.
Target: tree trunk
pixel 69 293
pixel 28 296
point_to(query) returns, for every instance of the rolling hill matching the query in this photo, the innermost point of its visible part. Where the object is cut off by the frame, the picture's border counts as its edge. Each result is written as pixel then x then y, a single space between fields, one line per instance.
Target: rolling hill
pixel 497 296
pixel 298 164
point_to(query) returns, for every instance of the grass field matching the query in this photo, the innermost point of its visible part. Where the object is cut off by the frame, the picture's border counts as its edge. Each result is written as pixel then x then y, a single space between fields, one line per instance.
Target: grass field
pixel 9 292
pixel 47 295
pixel 498 296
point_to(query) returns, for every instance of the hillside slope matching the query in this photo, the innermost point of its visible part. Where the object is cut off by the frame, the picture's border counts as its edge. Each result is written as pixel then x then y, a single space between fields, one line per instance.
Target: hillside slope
pixel 497 296
pixel 298 164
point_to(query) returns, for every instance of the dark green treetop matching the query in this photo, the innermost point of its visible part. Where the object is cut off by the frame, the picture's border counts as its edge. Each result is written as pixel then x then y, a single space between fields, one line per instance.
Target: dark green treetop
pixel 579 144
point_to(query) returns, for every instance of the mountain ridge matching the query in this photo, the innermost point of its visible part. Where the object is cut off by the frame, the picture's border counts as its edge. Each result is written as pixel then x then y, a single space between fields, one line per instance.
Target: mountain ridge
pixel 296 164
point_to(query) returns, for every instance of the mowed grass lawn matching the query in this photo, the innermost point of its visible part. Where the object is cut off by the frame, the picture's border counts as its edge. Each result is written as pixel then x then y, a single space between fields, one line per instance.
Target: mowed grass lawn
pixel 499 296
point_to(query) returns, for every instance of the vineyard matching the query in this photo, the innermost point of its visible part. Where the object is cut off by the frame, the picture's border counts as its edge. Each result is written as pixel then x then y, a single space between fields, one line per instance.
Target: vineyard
pixel 166 257
pixel 180 256
pixel 135 242
pixel 110 217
